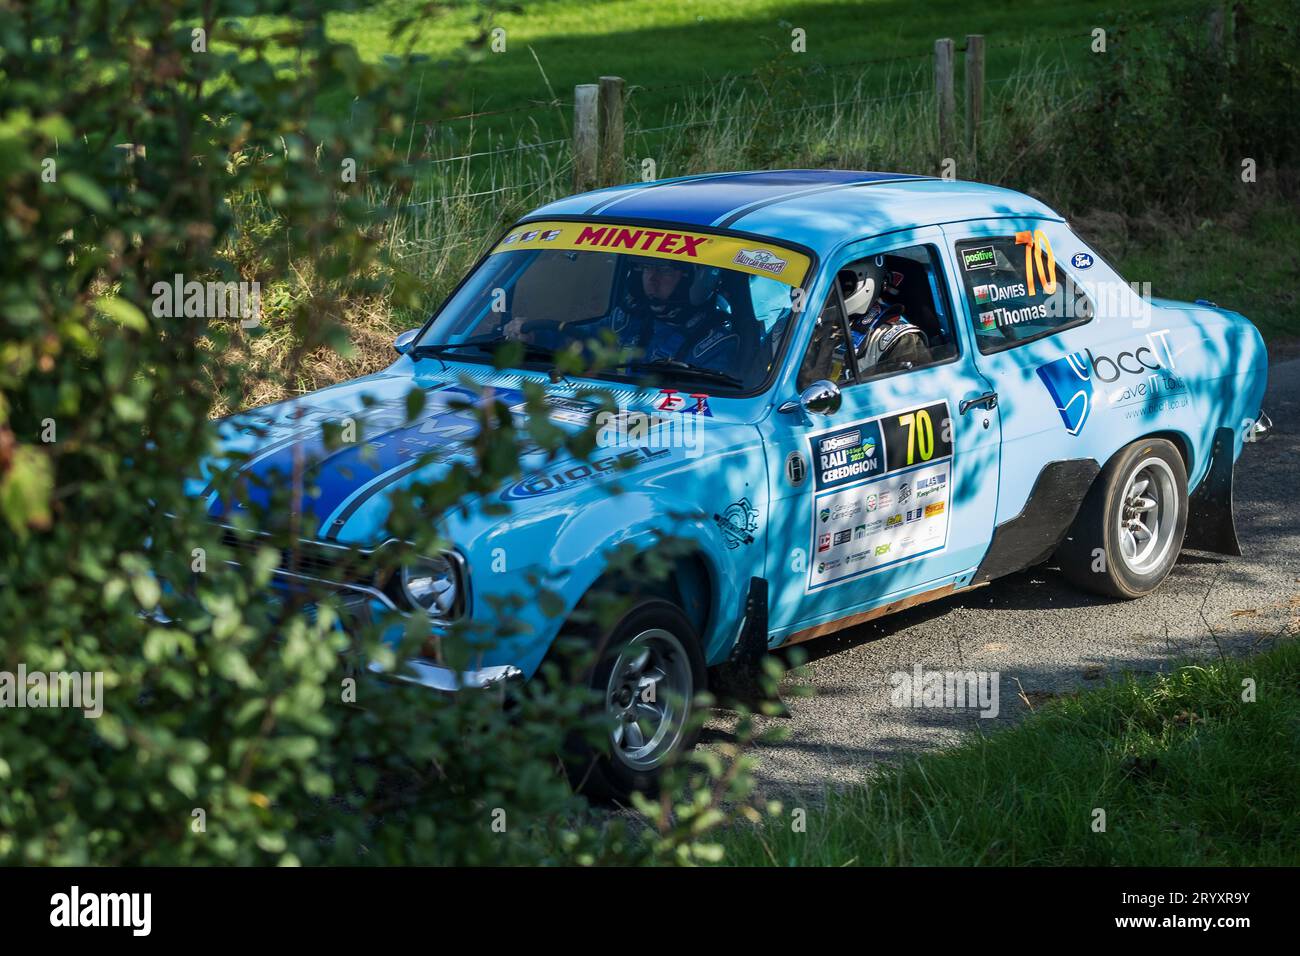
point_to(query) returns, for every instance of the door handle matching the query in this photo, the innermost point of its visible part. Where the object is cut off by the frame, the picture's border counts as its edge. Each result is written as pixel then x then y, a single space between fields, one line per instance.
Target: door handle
pixel 989 400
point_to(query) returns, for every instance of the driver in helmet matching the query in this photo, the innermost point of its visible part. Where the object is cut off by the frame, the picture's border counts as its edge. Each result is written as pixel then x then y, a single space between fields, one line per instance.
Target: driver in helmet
pixel 670 313
pixel 882 337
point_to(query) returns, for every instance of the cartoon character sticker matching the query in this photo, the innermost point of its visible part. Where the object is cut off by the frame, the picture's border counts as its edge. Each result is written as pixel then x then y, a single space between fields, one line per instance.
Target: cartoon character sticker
pixel 738 522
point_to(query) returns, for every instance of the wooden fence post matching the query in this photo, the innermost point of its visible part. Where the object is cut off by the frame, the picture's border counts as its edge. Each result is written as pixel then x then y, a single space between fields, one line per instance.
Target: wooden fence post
pixel 611 130
pixel 1214 30
pixel 974 89
pixel 944 97
pixel 584 136
pixel 1240 33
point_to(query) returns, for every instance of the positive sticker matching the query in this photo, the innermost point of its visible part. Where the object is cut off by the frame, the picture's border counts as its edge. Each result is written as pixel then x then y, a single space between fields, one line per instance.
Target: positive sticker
pixel 979 258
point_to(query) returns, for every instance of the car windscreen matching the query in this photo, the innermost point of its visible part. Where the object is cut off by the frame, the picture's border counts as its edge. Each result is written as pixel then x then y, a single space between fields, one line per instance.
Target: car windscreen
pixel 629 302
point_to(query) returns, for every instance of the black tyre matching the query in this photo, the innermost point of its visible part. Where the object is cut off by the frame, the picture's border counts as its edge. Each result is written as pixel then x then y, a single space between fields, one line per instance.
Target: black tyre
pixel 1129 530
pixel 647 675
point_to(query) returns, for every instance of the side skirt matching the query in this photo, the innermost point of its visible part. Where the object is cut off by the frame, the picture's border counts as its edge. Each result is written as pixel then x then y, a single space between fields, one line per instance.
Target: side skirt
pixel 893 607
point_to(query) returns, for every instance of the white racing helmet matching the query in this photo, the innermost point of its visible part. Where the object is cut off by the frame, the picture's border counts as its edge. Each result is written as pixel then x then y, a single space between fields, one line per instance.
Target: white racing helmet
pixel 861 283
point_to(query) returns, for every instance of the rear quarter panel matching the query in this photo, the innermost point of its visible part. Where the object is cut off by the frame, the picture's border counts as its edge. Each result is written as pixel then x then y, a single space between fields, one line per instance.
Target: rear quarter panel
pixel 1147 367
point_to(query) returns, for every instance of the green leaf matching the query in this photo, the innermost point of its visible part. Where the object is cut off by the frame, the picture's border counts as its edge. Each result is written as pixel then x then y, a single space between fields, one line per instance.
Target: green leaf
pixel 124 313
pixel 183 778
pixel 415 399
pixel 146 590
pixel 25 490
pixel 85 191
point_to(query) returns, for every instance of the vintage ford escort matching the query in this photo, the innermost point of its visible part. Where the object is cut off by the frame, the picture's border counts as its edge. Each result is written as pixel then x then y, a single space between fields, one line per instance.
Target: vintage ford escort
pixel 878 390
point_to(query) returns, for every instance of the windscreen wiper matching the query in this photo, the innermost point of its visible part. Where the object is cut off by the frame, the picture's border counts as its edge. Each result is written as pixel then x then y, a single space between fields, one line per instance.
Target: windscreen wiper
pixel 685 369
pixel 535 353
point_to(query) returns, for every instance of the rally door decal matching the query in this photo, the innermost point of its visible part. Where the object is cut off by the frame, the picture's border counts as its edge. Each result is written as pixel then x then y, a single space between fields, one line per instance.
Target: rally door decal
pixel 882 491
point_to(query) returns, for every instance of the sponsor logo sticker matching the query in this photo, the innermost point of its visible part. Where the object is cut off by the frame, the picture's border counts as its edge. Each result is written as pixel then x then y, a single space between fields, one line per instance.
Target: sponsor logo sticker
pixel 978 258
pixel 738 523
pixel 1069 380
pixel 796 469
pixel 761 259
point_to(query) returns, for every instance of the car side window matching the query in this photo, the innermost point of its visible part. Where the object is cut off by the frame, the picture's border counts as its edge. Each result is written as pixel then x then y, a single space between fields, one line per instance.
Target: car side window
pixel 1016 290
pixel 825 356
pixel 899 318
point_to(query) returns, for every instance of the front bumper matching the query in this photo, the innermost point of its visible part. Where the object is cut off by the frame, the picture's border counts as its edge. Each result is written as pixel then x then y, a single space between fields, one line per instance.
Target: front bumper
pixel 444 680
pixel 362 605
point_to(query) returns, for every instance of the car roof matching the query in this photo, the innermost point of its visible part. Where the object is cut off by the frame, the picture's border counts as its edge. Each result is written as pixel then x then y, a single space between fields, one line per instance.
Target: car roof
pixel 819 208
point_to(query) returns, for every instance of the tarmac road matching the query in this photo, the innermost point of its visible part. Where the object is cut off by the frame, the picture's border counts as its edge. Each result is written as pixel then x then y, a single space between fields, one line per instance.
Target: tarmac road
pixel 1044 638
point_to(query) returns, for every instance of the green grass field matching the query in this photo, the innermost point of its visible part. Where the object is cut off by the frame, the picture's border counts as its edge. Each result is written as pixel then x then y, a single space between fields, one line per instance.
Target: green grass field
pixel 1186 772
pixel 665 46
pixel 1249 266
pixel 674 55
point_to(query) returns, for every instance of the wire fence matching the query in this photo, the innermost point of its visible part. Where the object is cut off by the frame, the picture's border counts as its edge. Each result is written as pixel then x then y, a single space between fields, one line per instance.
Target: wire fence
pixel 485 166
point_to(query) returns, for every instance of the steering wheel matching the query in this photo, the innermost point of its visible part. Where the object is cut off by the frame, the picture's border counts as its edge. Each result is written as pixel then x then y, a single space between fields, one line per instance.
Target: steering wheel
pixel 532 325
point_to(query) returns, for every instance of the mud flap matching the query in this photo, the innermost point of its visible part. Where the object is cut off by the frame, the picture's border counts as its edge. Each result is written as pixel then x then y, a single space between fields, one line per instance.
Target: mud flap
pixel 739 678
pixel 1210 525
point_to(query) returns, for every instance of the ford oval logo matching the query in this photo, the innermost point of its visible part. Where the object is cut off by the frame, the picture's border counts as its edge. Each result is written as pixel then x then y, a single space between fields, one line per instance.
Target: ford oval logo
pixel 1081 260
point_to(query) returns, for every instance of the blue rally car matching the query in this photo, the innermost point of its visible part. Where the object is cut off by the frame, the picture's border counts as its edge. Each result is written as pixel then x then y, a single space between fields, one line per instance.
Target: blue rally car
pixel 849 392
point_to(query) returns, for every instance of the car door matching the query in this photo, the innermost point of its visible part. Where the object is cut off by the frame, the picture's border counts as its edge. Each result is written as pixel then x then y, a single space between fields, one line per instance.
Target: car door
pixel 894 493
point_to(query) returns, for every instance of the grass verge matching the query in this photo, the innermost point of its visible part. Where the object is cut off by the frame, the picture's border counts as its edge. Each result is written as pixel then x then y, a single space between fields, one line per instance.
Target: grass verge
pixel 1186 771
pixel 1248 261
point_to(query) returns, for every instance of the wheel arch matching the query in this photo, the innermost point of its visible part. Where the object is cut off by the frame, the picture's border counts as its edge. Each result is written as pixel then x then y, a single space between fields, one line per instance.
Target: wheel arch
pixel 701 579
pixel 1176 438
pixel 689 583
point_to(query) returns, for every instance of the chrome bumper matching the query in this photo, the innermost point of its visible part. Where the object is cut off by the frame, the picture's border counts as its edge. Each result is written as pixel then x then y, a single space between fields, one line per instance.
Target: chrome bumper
pixel 1263 426
pixel 444 680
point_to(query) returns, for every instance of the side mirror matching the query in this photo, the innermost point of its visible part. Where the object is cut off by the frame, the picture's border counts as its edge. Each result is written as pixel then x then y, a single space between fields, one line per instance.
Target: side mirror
pixel 820 398
pixel 402 344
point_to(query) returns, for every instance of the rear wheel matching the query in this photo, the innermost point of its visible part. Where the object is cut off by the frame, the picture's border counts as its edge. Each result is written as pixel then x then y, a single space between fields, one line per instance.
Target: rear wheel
pixel 1127 535
pixel 647 676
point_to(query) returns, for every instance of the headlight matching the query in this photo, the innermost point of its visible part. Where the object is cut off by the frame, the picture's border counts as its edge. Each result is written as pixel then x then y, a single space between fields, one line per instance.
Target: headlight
pixel 433 584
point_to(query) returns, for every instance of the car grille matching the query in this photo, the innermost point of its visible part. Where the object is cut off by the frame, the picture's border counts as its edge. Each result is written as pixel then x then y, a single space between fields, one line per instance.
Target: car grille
pixel 310 559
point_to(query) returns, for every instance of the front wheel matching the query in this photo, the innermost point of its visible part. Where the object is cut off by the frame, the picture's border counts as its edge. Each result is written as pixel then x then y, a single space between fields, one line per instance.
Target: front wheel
pixel 648 673
pixel 1129 530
